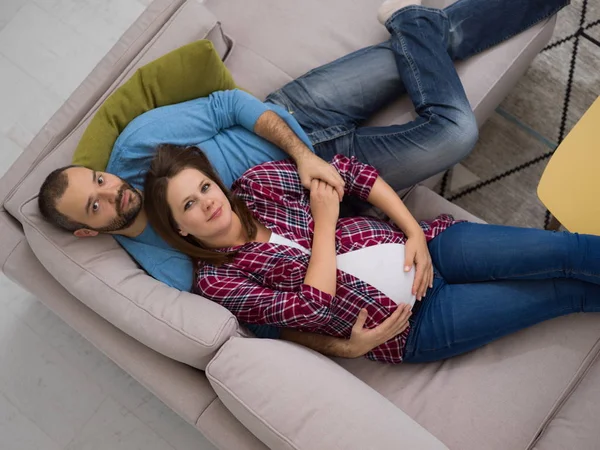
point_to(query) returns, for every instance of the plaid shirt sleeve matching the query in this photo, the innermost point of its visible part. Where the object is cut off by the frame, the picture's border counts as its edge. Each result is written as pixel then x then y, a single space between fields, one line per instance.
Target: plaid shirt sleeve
pixel 252 303
pixel 359 177
pixel 280 178
pixel 271 181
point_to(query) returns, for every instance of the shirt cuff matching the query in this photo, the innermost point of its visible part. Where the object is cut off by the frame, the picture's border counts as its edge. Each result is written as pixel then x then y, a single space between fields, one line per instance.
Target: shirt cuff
pixel 264 331
pixel 251 111
pixel 364 182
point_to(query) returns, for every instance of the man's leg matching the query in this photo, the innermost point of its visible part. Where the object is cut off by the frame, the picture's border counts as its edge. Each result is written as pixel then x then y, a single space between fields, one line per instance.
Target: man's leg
pixel 445 129
pixel 331 101
pixel 477 25
pixel 351 89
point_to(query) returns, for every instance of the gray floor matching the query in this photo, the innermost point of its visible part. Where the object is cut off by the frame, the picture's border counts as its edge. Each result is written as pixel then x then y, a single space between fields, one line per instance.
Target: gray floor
pixel 56 390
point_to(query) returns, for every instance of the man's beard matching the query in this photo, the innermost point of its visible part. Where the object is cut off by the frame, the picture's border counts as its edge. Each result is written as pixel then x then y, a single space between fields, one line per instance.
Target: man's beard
pixel 124 220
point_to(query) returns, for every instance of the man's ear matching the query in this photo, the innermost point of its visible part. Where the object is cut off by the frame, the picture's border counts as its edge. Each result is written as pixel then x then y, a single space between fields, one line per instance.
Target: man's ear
pixel 84 232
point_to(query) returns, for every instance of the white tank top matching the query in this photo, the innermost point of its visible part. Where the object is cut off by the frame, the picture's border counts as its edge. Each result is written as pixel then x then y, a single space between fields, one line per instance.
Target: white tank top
pixel 381 266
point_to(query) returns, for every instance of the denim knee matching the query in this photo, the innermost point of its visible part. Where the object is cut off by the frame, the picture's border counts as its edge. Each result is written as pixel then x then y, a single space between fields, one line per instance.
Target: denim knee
pixel 460 133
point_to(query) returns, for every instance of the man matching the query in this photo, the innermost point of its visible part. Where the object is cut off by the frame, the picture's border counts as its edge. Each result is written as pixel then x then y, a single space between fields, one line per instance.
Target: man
pixel 322 112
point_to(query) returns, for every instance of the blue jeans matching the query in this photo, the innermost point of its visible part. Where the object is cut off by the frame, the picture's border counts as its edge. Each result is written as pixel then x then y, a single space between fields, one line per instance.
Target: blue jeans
pixel 332 101
pixel 493 280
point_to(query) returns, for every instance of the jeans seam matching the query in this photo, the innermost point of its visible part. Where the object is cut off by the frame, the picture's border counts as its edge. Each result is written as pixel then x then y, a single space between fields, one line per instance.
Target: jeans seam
pixel 412 66
pixel 431 117
pixel 407 56
pixel 280 100
pixel 328 138
pixel 437 11
pixel 542 272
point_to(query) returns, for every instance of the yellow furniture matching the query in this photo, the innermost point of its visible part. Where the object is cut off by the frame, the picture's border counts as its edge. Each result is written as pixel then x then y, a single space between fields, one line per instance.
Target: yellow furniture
pixel 570 184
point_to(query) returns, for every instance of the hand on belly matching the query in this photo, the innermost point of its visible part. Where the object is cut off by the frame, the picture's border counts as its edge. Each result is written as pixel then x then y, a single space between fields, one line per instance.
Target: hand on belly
pixel 381 266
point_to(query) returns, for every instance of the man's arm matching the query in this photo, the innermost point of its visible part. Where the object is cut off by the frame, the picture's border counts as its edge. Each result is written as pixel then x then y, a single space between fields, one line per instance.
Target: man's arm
pixel 273 128
pixel 362 340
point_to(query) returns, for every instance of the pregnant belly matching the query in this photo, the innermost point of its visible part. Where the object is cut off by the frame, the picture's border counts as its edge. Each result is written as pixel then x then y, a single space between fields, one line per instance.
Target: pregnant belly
pixel 381 266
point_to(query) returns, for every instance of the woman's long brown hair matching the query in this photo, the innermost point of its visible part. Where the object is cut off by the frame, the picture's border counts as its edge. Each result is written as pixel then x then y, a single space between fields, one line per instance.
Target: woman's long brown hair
pixel 167 163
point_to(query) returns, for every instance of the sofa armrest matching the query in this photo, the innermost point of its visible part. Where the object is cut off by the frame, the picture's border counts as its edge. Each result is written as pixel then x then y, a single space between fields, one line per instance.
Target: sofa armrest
pixel 181 325
pixel 293 398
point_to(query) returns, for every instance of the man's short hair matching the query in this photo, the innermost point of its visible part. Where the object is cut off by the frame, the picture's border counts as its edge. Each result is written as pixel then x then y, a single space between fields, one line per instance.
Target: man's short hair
pixel 51 192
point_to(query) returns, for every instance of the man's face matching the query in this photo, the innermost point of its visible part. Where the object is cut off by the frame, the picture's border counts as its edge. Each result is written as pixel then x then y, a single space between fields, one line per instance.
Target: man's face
pixel 103 202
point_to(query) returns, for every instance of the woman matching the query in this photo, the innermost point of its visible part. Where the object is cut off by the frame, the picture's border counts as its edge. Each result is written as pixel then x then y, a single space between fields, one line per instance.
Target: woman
pixel 268 251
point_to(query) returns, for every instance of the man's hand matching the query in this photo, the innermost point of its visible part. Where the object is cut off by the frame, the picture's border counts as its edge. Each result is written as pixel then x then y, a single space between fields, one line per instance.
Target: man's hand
pixel 324 203
pixel 417 253
pixel 311 167
pixel 363 340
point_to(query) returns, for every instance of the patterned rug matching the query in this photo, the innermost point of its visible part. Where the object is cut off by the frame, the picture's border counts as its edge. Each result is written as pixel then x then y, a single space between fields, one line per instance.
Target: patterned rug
pixel 498 181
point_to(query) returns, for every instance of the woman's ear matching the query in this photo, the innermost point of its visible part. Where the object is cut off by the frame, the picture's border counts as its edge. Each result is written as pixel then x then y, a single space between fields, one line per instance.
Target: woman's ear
pixel 183 233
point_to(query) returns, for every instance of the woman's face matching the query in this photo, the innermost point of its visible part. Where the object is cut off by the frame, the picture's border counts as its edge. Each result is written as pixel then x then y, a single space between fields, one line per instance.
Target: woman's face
pixel 199 206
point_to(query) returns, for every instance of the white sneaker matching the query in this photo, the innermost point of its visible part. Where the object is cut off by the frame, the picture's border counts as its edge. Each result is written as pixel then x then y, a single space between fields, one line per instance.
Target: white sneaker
pixel 389 7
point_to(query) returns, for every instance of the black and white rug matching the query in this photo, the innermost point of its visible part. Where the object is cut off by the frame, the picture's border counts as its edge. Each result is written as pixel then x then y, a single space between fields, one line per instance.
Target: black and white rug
pixel 498 181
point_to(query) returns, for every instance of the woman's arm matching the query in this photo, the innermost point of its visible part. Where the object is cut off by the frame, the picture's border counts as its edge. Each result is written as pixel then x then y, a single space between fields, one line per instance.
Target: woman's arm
pixel 253 303
pixel 383 197
pixel 322 267
pixel 363 181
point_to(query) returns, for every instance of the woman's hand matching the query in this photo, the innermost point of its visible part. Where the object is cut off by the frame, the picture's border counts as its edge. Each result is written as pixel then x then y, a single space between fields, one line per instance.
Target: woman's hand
pixel 324 203
pixel 363 340
pixel 417 253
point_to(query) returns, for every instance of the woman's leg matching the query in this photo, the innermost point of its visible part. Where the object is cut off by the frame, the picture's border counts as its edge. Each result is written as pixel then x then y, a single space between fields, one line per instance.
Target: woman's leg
pixel 457 318
pixel 469 252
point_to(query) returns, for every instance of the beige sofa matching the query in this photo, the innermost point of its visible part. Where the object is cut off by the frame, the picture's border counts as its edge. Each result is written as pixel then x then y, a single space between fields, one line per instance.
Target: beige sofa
pixel 539 388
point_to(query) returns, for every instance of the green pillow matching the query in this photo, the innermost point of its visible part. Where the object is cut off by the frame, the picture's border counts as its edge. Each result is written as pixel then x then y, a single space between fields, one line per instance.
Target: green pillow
pixel 192 71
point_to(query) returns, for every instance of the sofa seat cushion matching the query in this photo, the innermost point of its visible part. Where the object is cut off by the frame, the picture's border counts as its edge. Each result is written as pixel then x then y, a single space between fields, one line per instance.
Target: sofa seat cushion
pixel 574 425
pixel 97 270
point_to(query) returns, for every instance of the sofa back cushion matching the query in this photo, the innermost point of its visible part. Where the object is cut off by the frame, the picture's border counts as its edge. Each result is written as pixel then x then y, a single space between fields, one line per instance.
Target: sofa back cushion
pixel 192 71
pixel 97 270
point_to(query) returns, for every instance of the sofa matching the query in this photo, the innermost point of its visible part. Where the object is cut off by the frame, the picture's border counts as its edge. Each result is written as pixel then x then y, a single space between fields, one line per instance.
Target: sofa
pixel 536 389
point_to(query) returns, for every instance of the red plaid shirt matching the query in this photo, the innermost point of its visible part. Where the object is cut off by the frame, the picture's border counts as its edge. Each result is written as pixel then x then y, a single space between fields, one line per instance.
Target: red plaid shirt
pixel 264 284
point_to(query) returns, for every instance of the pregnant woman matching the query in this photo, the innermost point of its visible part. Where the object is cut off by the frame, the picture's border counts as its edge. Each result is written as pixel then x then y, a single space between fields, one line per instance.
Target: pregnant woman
pixel 274 253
